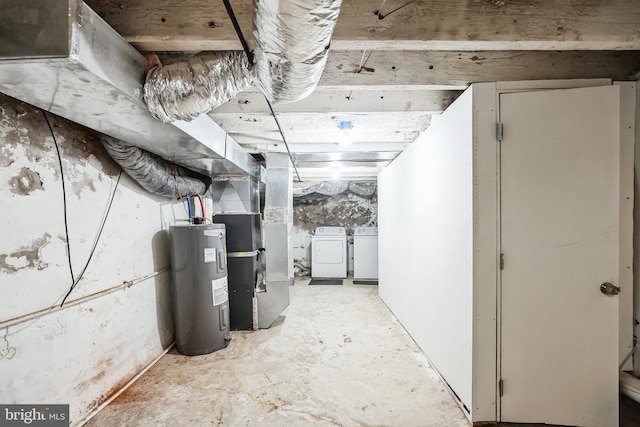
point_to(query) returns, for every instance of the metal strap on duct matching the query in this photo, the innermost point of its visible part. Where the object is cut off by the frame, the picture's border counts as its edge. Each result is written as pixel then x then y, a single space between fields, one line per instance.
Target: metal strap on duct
pixel 154 174
pixel 184 90
pixel 292 44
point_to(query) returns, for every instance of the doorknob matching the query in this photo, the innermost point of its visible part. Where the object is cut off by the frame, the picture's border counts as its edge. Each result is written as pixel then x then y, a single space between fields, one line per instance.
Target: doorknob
pixel 609 289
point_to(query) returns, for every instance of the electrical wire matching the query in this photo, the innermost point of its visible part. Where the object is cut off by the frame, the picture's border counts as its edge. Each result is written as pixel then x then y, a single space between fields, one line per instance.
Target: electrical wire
pixel 249 54
pixel 64 197
pixel 273 113
pixel 175 178
pixel 381 16
pixel 363 62
pixel 95 242
pixel 189 206
pixel 201 206
pixel 236 26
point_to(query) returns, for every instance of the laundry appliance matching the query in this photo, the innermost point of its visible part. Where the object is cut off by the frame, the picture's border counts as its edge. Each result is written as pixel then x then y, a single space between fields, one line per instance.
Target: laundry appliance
pixel 365 253
pixel 329 253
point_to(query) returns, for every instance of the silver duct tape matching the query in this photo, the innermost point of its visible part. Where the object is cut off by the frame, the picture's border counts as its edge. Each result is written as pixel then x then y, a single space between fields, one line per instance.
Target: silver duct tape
pixel 184 90
pixel 153 173
pixel 292 45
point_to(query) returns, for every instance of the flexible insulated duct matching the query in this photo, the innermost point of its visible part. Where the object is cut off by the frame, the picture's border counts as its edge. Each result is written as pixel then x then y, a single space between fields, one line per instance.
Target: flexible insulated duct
pixel 153 173
pixel 184 90
pixel 292 45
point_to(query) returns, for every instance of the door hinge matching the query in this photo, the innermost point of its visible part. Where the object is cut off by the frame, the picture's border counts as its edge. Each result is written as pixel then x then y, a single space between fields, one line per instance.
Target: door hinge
pixel 501 388
pixel 501 261
pixel 499 131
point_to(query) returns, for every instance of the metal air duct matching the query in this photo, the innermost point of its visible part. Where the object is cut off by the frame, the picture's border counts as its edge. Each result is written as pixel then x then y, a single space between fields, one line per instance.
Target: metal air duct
pixel 59 55
pixel 292 45
pixel 154 174
pixel 184 90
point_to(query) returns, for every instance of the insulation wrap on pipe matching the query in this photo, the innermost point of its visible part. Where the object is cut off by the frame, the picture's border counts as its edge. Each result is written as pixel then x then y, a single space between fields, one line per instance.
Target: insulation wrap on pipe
pixel 184 90
pixel 292 45
pixel 153 173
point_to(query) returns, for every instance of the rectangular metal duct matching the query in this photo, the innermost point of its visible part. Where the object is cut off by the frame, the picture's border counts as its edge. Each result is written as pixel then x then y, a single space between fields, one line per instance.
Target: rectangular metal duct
pixel 59 55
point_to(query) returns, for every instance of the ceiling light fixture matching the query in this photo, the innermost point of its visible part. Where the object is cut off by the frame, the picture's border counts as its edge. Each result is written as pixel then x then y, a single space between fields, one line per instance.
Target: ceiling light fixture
pixel 345 127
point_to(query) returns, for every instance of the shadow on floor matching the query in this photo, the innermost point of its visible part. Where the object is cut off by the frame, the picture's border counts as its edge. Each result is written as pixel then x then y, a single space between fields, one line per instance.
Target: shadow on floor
pixel 629 412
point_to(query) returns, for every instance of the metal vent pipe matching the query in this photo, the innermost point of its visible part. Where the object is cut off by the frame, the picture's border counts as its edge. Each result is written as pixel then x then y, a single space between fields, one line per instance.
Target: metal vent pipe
pixel 292 45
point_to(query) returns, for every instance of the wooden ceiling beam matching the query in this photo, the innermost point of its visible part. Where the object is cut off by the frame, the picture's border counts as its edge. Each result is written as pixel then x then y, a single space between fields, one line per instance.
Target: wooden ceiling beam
pixel 327 100
pixel 457 70
pixel 195 25
pixel 303 123
pixel 258 144
pixel 389 135
pixel 396 71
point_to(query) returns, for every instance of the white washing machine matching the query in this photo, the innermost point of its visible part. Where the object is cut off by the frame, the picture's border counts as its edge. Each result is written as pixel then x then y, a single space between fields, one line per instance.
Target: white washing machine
pixel 329 253
pixel 365 253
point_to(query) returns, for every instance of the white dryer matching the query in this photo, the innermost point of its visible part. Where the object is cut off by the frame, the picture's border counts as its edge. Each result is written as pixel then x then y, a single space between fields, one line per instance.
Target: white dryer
pixel 365 253
pixel 329 253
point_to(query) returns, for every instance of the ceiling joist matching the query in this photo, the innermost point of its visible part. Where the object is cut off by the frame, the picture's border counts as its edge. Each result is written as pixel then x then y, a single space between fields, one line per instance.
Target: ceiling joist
pixel 457 70
pixel 324 100
pixel 468 25
pixel 259 145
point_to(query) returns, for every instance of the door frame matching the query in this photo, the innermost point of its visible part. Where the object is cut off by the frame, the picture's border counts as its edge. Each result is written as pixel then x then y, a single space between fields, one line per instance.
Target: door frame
pixel 627 149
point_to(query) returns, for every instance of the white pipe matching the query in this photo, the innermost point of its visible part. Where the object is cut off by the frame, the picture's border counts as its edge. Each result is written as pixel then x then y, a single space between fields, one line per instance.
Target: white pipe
pixel 630 386
pixel 36 314
pixel 126 386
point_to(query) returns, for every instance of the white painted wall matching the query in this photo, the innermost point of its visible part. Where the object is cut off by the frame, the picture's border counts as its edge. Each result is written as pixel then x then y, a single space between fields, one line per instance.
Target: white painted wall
pixel 425 219
pixel 81 354
pixel 443 287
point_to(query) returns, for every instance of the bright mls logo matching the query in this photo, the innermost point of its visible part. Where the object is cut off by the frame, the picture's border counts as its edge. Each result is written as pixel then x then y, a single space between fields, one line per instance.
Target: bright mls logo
pixel 34 415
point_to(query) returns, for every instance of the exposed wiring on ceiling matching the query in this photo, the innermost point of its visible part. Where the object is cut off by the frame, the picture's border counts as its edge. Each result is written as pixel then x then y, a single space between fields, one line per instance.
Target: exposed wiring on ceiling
pixel 363 62
pixel 64 197
pixel 249 54
pixel 236 26
pixel 293 162
pixel 382 16
pixel 189 207
pixel 377 12
pixel 95 242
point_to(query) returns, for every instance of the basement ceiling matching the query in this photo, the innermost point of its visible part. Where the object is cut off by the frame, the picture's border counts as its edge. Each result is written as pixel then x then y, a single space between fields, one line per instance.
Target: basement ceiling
pixel 392 64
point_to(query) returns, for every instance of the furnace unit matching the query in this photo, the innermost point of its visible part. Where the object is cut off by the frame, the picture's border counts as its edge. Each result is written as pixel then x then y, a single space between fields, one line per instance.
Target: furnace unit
pixel 246 267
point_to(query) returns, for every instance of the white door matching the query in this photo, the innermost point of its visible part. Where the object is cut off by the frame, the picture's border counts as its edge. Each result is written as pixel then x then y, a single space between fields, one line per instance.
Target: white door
pixel 559 231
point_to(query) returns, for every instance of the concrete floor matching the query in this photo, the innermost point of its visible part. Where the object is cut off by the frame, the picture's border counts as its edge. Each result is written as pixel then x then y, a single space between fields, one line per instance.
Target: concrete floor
pixel 336 357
